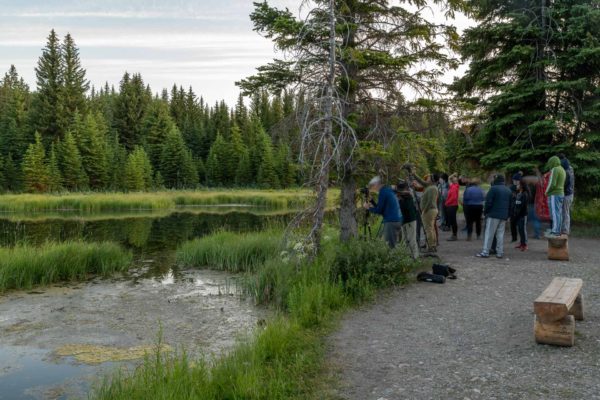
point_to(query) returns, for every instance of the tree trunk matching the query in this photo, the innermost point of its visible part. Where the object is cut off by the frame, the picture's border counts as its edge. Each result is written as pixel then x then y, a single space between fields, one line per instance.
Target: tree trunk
pixel 348 224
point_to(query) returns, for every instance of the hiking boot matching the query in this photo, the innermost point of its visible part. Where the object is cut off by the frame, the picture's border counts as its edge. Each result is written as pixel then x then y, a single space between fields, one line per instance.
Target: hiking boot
pixel 452 238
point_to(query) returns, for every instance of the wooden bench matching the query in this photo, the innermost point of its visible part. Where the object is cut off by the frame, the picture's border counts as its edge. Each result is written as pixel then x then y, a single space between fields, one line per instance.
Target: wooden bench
pixel 558 248
pixel 556 310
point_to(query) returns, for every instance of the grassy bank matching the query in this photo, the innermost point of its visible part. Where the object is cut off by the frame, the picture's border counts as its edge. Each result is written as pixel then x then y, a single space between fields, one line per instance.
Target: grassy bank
pixel 285 359
pixel 25 266
pixel 95 202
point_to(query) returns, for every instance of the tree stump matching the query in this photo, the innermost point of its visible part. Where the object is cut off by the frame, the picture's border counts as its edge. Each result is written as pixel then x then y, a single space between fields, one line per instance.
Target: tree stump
pixel 558 333
pixel 558 248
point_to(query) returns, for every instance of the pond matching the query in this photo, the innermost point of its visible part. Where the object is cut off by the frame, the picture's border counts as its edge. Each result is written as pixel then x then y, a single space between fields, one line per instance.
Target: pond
pixel 58 341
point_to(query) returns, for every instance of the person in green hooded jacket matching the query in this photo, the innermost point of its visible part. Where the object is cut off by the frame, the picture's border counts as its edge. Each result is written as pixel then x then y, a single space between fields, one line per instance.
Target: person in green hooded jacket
pixel 556 193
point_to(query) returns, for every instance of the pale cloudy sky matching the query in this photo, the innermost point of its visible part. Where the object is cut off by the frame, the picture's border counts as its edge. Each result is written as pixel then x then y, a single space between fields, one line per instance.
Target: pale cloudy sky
pixel 208 44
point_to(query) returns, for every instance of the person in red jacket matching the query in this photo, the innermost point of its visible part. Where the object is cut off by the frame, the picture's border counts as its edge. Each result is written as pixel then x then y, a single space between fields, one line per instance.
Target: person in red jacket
pixel 452 206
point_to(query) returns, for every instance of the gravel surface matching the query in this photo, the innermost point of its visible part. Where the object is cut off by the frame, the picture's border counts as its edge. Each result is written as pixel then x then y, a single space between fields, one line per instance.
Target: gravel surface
pixel 472 338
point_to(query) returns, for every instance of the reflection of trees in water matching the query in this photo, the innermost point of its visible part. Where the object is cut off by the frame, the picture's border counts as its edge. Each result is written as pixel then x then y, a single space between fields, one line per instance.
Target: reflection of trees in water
pixel 143 234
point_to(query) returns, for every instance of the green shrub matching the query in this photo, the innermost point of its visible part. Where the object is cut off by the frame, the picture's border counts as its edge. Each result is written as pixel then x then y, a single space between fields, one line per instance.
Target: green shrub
pixel 587 212
pixel 24 266
pixel 363 266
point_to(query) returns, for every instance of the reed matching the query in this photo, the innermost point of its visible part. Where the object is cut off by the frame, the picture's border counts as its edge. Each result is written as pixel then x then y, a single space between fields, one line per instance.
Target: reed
pixel 95 202
pixel 233 252
pixel 25 266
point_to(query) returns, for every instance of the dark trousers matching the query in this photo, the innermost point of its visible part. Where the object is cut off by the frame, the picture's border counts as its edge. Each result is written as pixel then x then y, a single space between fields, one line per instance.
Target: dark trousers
pixel 522 227
pixel 451 218
pixel 473 216
pixel 513 228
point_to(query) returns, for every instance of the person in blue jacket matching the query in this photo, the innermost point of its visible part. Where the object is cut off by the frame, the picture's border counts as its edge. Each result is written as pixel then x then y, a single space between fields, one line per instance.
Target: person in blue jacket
pixel 496 210
pixel 473 200
pixel 387 206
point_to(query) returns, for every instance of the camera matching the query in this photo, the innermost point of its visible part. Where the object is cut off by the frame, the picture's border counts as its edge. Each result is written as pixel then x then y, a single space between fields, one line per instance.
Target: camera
pixel 364 191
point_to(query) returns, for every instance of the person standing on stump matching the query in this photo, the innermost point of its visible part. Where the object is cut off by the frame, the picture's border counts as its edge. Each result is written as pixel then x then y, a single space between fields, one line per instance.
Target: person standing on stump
pixel 496 210
pixel 556 194
pixel 569 194
pixel 388 207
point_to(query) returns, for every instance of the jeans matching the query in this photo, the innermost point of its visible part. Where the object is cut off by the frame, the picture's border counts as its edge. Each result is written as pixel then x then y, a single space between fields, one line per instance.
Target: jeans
pixel 535 221
pixel 473 216
pixel 555 204
pixel 522 225
pixel 391 233
pixel 409 235
pixel 451 218
pixel 494 228
pixel 566 214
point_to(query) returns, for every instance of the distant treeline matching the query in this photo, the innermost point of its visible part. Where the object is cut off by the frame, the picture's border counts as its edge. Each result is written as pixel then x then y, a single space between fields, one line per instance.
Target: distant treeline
pixel 68 136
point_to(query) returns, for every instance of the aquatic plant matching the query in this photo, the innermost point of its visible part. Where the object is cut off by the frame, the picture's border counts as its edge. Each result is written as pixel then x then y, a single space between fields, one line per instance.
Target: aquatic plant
pixel 25 266
pixel 94 202
pixel 285 359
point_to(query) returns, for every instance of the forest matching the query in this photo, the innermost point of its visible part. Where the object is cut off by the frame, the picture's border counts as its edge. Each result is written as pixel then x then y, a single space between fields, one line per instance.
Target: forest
pixel 526 95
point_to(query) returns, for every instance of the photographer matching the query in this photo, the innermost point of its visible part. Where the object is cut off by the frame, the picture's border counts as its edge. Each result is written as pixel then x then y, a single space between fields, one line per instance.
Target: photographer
pixel 387 206
pixel 409 218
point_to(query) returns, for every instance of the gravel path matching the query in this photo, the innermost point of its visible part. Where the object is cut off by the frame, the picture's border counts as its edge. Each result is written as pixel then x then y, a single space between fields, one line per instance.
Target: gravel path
pixel 472 338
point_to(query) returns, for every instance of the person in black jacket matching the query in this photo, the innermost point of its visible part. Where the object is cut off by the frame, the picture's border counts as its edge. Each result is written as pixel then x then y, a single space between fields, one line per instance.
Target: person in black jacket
pixel 520 212
pixel 409 218
pixel 497 211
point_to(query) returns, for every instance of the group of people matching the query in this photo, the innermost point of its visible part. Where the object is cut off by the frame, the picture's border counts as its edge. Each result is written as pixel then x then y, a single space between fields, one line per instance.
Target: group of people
pixel 417 205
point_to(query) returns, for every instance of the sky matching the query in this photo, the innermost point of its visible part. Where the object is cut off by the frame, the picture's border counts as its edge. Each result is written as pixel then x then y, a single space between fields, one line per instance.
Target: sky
pixel 208 44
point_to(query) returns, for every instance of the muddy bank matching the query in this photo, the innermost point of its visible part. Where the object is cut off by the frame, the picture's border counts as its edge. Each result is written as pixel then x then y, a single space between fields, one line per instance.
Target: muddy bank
pixel 199 310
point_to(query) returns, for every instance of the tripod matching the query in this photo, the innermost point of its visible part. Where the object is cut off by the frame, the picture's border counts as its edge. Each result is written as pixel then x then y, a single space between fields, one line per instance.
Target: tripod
pixel 413 193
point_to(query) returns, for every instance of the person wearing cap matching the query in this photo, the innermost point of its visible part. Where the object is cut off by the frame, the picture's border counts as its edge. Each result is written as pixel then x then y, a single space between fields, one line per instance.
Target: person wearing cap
pixel 429 209
pixel 388 207
pixel 496 210
pixel 409 218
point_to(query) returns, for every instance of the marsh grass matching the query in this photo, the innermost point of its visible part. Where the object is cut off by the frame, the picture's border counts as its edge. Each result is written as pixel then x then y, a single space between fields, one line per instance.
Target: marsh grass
pixel 96 202
pixel 228 251
pixel 285 359
pixel 25 266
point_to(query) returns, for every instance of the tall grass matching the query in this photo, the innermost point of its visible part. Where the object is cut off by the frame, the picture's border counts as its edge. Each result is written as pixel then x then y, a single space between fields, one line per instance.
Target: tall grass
pixel 587 212
pixel 25 266
pixel 233 252
pixel 285 359
pixel 94 202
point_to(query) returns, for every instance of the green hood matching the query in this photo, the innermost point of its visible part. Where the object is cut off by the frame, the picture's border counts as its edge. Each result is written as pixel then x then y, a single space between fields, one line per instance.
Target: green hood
pixel 553 162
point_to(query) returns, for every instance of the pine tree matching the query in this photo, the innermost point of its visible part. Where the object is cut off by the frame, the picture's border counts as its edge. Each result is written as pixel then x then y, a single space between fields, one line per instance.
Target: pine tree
pixel 35 171
pixel 74 177
pixel 157 125
pixel 267 176
pixel 54 176
pixel 130 109
pixel 12 179
pixel 75 84
pixel 93 149
pixel 243 176
pixel 219 169
pixel 177 166
pixel 237 150
pixel 47 107
pixel 14 105
pixel 138 171
pixel 286 171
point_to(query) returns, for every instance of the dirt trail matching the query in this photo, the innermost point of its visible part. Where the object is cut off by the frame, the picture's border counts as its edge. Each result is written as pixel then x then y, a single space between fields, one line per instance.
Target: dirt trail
pixel 472 338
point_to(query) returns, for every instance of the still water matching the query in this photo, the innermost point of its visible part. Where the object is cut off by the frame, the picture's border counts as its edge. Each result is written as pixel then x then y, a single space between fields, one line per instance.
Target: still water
pixel 201 311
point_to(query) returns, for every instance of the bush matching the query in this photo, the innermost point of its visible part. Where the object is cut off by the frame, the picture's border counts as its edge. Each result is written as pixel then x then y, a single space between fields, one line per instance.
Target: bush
pixel 363 266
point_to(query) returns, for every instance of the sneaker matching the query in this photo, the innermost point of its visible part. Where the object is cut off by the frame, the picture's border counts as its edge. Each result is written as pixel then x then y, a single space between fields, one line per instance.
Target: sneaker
pixel 482 255
pixel 519 246
pixel 452 239
pixel 524 248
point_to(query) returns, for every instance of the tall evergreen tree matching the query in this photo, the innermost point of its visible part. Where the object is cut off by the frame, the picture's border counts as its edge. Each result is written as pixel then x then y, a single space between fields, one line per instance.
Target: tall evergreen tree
pixel 47 106
pixel 75 85
pixel 14 106
pixel 177 166
pixel 157 125
pixel 54 176
pixel 93 148
pixel 35 171
pixel 130 109
pixel 138 171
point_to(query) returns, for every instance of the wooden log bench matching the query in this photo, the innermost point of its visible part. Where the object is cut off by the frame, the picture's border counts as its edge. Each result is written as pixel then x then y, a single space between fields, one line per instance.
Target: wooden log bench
pixel 558 248
pixel 556 310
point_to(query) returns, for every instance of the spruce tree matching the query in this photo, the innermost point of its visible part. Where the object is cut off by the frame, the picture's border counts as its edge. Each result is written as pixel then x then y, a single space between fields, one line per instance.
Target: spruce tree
pixel 130 109
pixel 243 176
pixel 157 125
pixel 74 82
pixel 47 108
pixel 138 171
pixel 74 177
pixel 177 166
pixel 12 178
pixel 54 176
pixel 267 175
pixel 93 149
pixel 14 106
pixel 35 171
